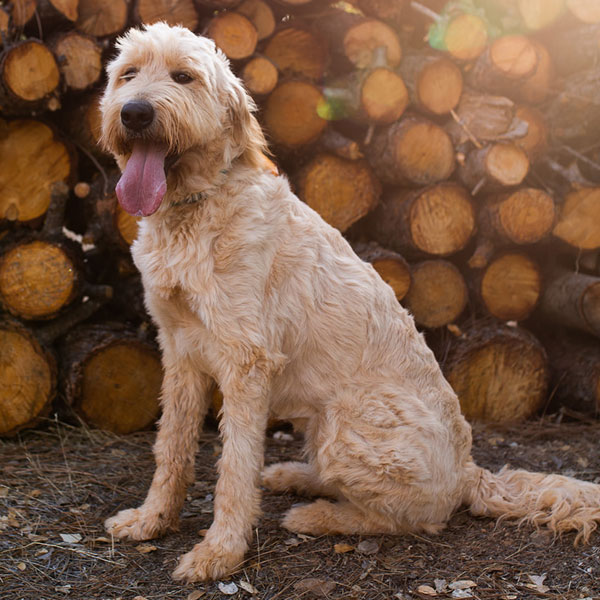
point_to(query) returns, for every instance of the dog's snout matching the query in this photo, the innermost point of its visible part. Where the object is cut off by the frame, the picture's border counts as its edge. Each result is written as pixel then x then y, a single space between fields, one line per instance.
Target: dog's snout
pixel 137 115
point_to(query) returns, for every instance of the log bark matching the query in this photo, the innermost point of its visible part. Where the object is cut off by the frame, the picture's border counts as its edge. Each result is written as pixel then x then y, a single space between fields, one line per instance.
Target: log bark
pixel 587 11
pixel 342 191
pixel 510 286
pixel 101 19
pixel 572 299
pixel 494 167
pixel 173 12
pixel 80 59
pixel 499 373
pixel 437 220
pixel 111 377
pixel 27 378
pixel 438 293
pixel 391 266
pixel 291 114
pixel 535 141
pixel 234 34
pixel 538 14
pixel 28 146
pixel 29 78
pixel 394 13
pixel 435 83
pixel 297 52
pixel 413 151
pixel 579 221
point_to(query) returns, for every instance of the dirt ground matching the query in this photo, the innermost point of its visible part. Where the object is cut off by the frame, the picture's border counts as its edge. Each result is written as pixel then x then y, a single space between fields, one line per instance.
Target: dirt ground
pixel 59 483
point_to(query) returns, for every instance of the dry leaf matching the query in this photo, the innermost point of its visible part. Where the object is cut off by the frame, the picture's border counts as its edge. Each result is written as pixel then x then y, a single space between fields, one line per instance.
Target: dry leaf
pixel 228 588
pixel 440 585
pixel 427 590
pixel 319 587
pixel 21 566
pixel 65 589
pixel 102 539
pixel 462 593
pixel 248 587
pixel 537 583
pixel 368 547
pixel 195 595
pixel 71 538
pixel 3 491
pixel 342 548
pixel 37 538
pixel 291 542
pixel 140 598
pixel 145 548
pixel 462 584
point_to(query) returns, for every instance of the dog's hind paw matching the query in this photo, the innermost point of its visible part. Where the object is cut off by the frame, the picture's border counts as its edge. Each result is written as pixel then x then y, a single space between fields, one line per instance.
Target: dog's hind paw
pixel 138 524
pixel 206 562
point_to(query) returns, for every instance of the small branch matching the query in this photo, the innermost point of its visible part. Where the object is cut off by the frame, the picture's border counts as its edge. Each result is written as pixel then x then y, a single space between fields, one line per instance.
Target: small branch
pixel 55 215
pixel 470 135
pixel 424 10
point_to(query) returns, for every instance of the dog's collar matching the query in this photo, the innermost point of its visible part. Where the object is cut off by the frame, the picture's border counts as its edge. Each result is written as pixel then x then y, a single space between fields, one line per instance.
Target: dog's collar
pixel 196 197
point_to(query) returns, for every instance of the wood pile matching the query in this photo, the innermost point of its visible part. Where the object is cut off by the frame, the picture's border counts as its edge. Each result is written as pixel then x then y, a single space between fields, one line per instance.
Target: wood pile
pixel 454 143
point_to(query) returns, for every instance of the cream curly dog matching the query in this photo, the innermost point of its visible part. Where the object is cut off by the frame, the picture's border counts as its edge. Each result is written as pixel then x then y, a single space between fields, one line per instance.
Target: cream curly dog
pixel 252 289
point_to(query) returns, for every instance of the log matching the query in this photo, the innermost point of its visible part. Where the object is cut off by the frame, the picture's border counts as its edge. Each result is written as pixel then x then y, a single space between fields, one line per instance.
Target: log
pixel 375 96
pixel 111 377
pixel 538 14
pixel 525 216
pixel 56 14
pixel 579 221
pixel 391 266
pixel 260 14
pixel 342 191
pixel 28 146
pixel 510 286
pixel 435 83
pixel 22 12
pixel 4 24
pixel 29 78
pixel 535 141
pixel 297 52
pixel 234 34
pixel 574 48
pixel 27 378
pixel 499 373
pixel 575 367
pixel 173 12
pixel 587 11
pixel 260 76
pixel 334 142
pixel 413 151
pixel 494 167
pixel 101 19
pixel 291 114
pixel 572 299
pixel 80 59
pixel 438 293
pixel 481 118
pixel 465 36
pixel 81 119
pixel 535 88
pixel 437 220
pixel 394 13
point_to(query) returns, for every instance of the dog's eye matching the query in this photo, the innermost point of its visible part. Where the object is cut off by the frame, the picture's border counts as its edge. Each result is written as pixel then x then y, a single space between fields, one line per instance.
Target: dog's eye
pixel 181 77
pixel 129 74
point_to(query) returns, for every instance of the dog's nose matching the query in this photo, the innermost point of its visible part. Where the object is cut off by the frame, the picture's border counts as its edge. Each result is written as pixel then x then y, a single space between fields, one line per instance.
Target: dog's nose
pixel 137 115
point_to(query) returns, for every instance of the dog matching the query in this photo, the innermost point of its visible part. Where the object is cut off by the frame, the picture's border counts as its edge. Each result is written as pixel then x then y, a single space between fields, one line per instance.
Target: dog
pixel 251 289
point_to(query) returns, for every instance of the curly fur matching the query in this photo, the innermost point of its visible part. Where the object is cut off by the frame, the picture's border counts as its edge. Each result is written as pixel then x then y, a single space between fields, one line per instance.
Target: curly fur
pixel 252 289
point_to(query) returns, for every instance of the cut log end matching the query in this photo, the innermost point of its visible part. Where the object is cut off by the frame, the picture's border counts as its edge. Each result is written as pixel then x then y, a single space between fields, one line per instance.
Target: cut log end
pixel 363 40
pixel 514 56
pixel 579 220
pixel 120 388
pixel 260 76
pixel 259 13
pixel 395 273
pixel 466 37
pixel 511 287
pixel 234 34
pixel 507 164
pixel 27 379
pixel 384 96
pixel 438 293
pixel 173 12
pixel 442 219
pixel 100 20
pixel 81 63
pixel 439 86
pixel 340 190
pixel 500 374
pixel 37 280
pixel 291 114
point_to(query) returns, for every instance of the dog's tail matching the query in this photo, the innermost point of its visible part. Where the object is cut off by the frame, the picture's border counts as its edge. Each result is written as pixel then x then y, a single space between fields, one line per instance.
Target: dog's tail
pixel 560 503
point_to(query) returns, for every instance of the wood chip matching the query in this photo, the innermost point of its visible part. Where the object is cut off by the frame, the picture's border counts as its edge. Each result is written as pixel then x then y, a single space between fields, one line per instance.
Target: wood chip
pixel 319 587
pixel 145 548
pixel 427 590
pixel 342 548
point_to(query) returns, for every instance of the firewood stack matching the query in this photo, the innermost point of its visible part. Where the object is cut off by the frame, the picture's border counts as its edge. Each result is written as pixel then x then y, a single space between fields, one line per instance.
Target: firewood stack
pixel 454 143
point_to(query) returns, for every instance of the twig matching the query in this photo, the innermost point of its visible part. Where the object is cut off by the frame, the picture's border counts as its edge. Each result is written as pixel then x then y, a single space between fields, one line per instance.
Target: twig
pixel 424 10
pixel 470 135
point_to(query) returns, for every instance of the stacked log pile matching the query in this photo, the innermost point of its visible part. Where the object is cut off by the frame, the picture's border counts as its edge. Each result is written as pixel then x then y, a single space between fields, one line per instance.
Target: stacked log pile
pixel 454 143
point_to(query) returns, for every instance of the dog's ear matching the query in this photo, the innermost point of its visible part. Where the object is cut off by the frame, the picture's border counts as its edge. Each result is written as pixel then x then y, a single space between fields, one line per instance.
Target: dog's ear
pixel 246 133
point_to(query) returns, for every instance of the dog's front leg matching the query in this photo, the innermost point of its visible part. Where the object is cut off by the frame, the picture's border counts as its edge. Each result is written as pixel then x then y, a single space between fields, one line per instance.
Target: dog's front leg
pixel 237 494
pixel 185 400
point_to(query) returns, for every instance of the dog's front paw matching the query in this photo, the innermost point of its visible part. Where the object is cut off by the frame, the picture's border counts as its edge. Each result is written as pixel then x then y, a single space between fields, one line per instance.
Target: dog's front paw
pixel 208 561
pixel 138 524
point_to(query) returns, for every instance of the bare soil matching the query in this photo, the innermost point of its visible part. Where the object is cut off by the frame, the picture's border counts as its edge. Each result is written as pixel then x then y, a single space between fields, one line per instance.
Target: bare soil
pixel 59 483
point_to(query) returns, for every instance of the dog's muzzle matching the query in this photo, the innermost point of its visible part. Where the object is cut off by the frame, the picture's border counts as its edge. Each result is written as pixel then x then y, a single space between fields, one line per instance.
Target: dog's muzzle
pixel 137 115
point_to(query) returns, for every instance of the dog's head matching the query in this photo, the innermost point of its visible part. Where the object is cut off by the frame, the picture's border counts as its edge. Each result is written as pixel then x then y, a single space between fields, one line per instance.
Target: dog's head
pixel 172 105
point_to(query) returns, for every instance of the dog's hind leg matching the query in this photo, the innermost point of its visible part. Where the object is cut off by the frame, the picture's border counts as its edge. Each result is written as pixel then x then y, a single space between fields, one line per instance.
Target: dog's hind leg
pixel 185 400
pixel 299 477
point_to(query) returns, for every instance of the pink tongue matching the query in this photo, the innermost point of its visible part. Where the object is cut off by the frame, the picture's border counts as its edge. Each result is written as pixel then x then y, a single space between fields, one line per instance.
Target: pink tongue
pixel 143 183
